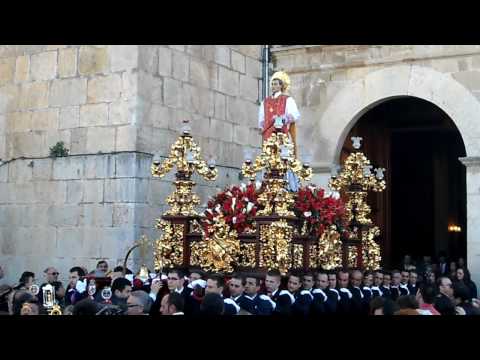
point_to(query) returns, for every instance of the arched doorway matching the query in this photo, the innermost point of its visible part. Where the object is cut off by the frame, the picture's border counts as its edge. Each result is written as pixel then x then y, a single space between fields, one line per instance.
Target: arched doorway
pixel 419 145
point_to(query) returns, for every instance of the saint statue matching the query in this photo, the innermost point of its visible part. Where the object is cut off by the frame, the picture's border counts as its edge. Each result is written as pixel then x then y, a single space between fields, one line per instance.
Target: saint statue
pixel 280 104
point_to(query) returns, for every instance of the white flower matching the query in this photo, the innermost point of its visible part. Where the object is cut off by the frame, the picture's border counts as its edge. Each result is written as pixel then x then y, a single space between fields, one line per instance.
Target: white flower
pixel 327 194
pixel 243 187
pixel 210 211
pixel 258 185
pixel 217 208
pixel 312 188
pixel 307 213
pixel 336 195
pixel 234 220
pixel 234 200
pixel 250 206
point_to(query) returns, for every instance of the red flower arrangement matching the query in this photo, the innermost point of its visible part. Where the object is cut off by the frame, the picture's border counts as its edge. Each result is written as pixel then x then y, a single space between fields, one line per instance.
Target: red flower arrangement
pixel 319 209
pixel 237 204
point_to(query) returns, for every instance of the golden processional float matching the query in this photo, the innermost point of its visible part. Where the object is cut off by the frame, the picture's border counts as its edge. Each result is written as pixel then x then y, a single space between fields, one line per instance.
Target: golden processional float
pixel 262 225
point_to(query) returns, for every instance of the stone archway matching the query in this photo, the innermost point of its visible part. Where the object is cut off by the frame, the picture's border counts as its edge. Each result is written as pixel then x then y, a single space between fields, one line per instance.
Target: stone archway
pixel 424 83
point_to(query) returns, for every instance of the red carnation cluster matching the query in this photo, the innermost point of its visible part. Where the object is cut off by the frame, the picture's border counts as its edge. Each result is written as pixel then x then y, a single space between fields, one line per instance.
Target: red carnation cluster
pixel 318 210
pixel 237 204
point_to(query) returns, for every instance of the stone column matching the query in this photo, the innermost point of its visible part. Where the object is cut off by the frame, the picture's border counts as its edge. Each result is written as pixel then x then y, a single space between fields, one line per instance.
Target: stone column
pixel 473 215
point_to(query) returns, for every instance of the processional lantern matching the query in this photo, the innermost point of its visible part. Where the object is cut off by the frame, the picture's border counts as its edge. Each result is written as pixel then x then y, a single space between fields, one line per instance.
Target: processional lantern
pixel 49 302
pixel 355 179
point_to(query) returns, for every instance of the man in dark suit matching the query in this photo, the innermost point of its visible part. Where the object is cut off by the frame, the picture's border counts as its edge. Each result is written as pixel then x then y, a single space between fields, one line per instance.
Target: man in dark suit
pixel 412 283
pixel 377 284
pixel 262 304
pixel 236 285
pixel 395 287
pixel 444 302
pixel 403 286
pixel 287 300
pixel 175 283
pixel 357 303
pixel 215 285
pixel 75 293
pixel 272 284
pixel 443 268
pixel 345 294
pixel 387 282
pixel 320 303
pixel 333 295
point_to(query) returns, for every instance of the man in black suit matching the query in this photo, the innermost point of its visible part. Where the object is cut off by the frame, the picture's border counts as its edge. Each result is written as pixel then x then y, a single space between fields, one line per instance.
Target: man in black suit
pixel 395 287
pixel 345 294
pixel 403 286
pixel 444 302
pixel 216 284
pixel 357 303
pixel 272 284
pixel 377 284
pixel 443 268
pixel 412 283
pixel 387 282
pixel 262 304
pixel 236 285
pixel 176 282
pixel 333 295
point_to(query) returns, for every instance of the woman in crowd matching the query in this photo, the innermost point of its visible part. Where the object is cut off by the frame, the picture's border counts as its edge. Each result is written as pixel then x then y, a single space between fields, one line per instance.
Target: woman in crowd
pixel 463 277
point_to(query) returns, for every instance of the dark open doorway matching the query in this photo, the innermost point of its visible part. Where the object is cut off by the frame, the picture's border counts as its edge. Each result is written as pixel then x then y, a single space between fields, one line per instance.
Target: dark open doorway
pixel 419 145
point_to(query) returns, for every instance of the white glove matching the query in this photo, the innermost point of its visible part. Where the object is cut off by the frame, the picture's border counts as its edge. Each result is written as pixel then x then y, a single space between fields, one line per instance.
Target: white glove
pixel 81 285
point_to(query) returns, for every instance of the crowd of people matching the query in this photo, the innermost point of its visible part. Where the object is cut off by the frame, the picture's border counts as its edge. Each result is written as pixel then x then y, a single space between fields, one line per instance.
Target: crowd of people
pixel 425 289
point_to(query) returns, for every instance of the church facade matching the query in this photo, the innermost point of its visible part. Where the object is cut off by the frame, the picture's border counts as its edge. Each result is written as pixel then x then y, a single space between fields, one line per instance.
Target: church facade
pixel 114 107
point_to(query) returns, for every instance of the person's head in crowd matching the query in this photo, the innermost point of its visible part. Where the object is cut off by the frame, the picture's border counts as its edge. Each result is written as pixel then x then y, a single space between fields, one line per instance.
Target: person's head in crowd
pixel 431 277
pixel 343 278
pixel 412 278
pixel 172 304
pixel 175 279
pixel 461 262
pixel 445 286
pixel 378 278
pixel 138 303
pixel 321 281
pixel 294 281
pixel 68 310
pixel 76 273
pixel 461 293
pixel 396 277
pixel 51 274
pixel 195 274
pixel 85 307
pixel 236 285
pixel 387 279
pixel 308 280
pixel 252 285
pixel 462 274
pixel 273 280
pixel 426 294
pixel 427 259
pixel 382 306
pixel 407 260
pixel 24 303
pixel 119 268
pixel 356 278
pixel 408 305
pixel 102 266
pixel 26 280
pixel 368 278
pixel 121 288
pixel 215 284
pixel 405 276
pixel 332 280
pixel 376 305
pixel 212 305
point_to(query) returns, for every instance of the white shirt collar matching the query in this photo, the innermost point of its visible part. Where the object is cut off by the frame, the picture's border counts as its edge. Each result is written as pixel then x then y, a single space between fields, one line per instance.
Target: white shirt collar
pixel 179 291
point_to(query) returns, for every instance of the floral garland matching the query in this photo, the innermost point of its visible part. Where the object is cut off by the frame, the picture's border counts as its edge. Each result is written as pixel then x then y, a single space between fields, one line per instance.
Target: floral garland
pixel 238 205
pixel 319 210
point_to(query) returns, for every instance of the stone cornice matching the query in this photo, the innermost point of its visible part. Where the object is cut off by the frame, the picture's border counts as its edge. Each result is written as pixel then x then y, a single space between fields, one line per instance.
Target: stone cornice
pixel 470 161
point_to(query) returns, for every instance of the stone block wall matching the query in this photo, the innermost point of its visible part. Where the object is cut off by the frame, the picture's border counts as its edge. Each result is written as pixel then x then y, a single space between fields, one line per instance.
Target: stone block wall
pixel 82 95
pixel 319 72
pixel 113 106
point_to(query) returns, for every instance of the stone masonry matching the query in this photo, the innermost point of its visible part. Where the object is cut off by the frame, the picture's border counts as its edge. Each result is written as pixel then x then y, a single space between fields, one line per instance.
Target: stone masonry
pixel 114 107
